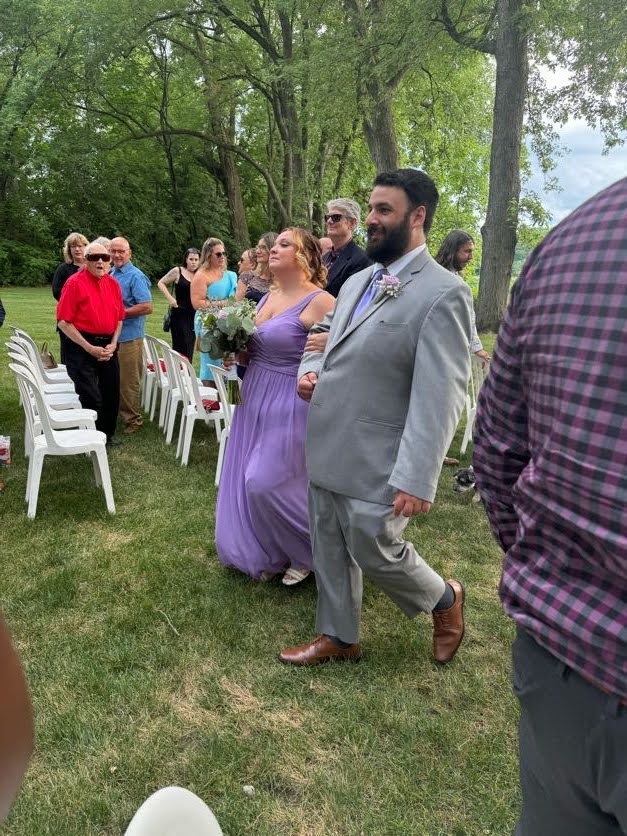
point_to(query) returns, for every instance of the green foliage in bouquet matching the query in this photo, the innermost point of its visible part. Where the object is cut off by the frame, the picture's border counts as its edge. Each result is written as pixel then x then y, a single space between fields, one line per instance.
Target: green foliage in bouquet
pixel 227 330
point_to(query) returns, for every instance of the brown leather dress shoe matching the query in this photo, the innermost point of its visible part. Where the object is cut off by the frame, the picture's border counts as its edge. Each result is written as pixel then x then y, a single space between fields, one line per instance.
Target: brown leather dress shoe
pixel 448 626
pixel 321 649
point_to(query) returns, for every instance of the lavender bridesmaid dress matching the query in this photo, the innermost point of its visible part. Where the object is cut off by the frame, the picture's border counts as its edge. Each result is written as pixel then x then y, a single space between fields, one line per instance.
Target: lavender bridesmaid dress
pixel 262 524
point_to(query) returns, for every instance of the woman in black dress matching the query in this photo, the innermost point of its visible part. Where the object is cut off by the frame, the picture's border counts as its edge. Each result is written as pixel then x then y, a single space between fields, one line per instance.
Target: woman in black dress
pixel 182 317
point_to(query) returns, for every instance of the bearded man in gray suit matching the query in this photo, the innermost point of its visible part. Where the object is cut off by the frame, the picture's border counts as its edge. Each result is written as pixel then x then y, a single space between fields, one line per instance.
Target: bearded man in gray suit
pixel 386 393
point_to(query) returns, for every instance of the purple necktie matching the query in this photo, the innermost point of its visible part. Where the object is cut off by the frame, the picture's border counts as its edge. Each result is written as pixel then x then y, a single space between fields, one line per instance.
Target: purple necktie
pixel 369 293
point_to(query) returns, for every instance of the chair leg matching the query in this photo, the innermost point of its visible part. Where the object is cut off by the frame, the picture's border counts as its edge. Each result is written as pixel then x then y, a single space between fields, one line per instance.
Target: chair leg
pixel 163 407
pixel 105 476
pixel 171 420
pixel 187 441
pixel 96 465
pixel 37 461
pixel 224 437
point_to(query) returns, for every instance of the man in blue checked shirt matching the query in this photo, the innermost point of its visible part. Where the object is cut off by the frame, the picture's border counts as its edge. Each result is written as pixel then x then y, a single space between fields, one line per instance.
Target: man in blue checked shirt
pixel 550 460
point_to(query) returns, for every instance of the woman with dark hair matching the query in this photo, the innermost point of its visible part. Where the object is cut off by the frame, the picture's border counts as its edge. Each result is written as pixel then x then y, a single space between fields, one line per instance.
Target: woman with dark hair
pixel 212 285
pixel 456 251
pixel 182 312
pixel 262 527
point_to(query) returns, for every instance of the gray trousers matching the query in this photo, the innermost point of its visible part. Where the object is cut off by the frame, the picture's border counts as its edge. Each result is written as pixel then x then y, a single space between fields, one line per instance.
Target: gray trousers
pixel 573 749
pixel 350 536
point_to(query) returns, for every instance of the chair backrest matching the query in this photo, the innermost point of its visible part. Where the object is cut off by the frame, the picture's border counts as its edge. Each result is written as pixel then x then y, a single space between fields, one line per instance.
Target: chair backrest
pixel 173 365
pixel 155 353
pixel 190 390
pixel 220 376
pixel 28 345
pixel 32 402
pixel 18 355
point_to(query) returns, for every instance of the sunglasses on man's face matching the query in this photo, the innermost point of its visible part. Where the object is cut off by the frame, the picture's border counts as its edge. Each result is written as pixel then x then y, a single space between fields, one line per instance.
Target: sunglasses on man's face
pixel 98 257
pixel 335 217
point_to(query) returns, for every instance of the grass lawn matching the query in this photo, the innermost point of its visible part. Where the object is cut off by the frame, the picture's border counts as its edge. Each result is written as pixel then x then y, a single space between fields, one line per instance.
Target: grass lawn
pixel 149 664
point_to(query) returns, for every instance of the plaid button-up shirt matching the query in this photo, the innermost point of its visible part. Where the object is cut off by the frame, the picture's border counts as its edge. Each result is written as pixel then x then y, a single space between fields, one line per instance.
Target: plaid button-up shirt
pixel 550 450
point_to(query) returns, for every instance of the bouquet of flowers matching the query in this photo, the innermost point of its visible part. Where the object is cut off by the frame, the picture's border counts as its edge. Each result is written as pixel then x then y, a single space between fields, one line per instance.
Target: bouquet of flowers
pixel 226 330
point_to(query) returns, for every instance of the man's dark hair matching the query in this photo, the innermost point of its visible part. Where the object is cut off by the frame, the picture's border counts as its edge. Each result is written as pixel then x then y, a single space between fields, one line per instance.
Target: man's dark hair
pixel 417 185
pixel 453 242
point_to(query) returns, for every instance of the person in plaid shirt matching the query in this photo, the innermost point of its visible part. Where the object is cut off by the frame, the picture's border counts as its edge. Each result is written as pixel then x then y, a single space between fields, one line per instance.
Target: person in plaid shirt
pixel 550 459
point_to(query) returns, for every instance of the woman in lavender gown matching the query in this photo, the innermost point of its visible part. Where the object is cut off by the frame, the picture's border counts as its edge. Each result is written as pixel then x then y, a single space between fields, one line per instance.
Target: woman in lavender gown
pixel 262 527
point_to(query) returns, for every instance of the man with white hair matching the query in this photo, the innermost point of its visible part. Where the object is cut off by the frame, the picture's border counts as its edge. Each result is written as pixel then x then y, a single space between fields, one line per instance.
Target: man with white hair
pixel 345 257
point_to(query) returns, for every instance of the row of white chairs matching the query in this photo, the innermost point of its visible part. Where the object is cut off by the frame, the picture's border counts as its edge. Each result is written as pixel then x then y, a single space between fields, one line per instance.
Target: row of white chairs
pixel 55 422
pixel 170 378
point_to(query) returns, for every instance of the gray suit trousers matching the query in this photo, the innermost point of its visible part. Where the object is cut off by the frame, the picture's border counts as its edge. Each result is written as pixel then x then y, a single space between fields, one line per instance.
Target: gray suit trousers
pixel 350 536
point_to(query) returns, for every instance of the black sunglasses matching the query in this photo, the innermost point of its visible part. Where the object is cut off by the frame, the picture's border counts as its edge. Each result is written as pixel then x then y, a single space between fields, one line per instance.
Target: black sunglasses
pixel 98 257
pixel 220 255
pixel 335 217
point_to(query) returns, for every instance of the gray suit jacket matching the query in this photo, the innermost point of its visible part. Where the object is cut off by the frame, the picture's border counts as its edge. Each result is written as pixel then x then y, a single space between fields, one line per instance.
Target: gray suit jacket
pixel 391 385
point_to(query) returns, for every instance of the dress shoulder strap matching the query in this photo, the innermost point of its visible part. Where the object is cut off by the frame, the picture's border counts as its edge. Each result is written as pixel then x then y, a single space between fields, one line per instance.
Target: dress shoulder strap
pixel 300 306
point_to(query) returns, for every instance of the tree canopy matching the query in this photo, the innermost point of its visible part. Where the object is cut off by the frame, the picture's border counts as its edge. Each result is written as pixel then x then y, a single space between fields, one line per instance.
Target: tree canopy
pixel 232 117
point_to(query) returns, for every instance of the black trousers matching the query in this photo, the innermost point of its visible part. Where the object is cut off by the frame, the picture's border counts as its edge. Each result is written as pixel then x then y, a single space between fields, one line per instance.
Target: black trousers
pixel 573 749
pixel 97 382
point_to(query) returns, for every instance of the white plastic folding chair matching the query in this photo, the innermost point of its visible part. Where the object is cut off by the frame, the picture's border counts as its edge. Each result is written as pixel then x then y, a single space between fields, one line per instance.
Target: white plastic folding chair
pixel 148 377
pixel 195 408
pixel 176 394
pixel 60 419
pixel 478 373
pixel 55 398
pixel 57 375
pixel 49 383
pixel 161 381
pixel 51 442
pixel 220 376
pixel 174 811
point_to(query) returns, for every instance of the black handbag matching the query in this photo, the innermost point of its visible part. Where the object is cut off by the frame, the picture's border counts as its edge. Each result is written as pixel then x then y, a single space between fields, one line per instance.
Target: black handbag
pixel 167 319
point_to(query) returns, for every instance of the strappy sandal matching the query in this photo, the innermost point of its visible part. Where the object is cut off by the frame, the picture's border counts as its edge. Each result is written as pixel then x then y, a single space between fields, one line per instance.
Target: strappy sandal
pixel 293 576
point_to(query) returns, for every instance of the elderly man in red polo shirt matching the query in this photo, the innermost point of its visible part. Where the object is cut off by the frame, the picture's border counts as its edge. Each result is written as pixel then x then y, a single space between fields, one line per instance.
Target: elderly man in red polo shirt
pixel 90 314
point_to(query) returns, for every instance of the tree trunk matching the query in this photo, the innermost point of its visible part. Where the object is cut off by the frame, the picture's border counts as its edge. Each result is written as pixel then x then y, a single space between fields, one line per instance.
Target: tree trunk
pixel 499 230
pixel 379 129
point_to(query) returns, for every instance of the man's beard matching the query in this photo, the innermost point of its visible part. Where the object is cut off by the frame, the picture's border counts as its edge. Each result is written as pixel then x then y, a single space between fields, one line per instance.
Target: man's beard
pixel 394 243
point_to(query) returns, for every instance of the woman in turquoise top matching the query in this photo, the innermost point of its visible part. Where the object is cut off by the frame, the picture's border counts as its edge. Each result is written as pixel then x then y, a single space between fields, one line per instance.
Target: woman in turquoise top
pixel 211 284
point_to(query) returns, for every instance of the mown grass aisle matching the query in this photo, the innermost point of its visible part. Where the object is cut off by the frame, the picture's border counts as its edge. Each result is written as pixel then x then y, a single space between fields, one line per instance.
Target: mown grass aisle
pixel 149 664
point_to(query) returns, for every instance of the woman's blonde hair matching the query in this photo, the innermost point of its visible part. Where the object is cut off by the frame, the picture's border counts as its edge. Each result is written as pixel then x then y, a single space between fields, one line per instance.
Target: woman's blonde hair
pixel 207 250
pixel 73 238
pixel 309 255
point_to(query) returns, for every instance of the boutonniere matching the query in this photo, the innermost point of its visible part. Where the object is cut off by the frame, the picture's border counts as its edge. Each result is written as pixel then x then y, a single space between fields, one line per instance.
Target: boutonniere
pixel 388 285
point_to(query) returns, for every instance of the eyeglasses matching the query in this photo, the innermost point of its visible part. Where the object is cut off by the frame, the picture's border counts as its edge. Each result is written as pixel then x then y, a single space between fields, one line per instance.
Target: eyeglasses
pixel 98 257
pixel 335 217
pixel 220 255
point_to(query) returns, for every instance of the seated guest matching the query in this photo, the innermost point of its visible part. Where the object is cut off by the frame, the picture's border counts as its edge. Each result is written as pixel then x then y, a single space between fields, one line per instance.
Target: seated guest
pixel 456 251
pixel 262 527
pixel 90 314
pixel 345 257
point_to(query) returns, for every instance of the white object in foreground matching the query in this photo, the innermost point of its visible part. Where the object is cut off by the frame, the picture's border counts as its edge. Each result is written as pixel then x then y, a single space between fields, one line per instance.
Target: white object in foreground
pixel 174 811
